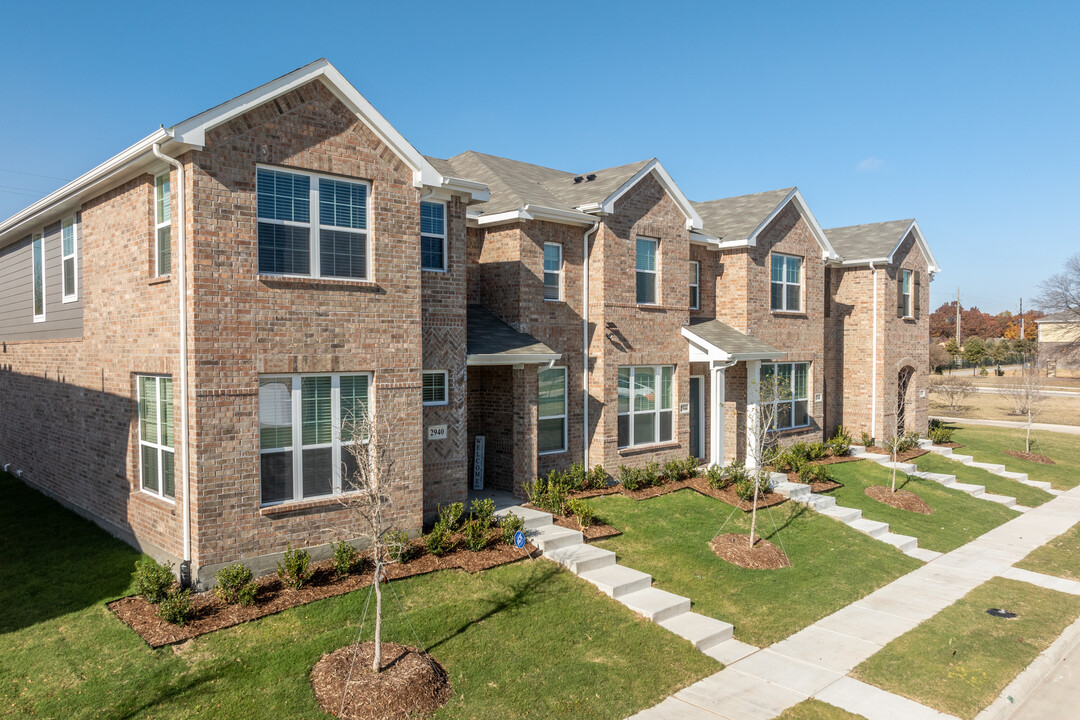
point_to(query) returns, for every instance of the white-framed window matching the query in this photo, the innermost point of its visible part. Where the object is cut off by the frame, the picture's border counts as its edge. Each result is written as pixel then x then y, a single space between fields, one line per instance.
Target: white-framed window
pixel 69 250
pixel 646 405
pixel 312 225
pixel 646 270
pixel 162 225
pixel 787 282
pixel 435 387
pixel 433 236
pixel 905 294
pixel 306 425
pixel 551 412
pixel 790 393
pixel 37 250
pixel 552 271
pixel 695 285
pixel 156 435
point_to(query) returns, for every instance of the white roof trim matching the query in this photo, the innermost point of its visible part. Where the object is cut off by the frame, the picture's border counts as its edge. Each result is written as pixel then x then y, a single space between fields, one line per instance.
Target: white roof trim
pixel 828 252
pixel 193 130
pixel 535 212
pixel 931 262
pixel 510 359
pixel 693 220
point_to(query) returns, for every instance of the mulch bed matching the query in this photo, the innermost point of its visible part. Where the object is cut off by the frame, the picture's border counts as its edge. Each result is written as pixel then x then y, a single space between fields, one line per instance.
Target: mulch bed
pixel 596 531
pixel 411 684
pixel 1030 457
pixel 951 444
pixel 816 487
pixel 901 499
pixel 735 549
pixel 212 614
pixel 903 457
pixel 701 485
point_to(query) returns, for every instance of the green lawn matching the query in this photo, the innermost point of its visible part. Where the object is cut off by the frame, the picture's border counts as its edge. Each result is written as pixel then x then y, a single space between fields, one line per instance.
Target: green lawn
pixel 816 710
pixel 988 444
pixel 1060 556
pixel 527 638
pixel 832 565
pixel 961 659
pixel 1024 494
pixel 957 519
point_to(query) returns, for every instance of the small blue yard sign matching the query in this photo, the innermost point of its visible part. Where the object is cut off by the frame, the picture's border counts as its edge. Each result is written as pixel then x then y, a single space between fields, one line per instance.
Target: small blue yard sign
pixel 519 539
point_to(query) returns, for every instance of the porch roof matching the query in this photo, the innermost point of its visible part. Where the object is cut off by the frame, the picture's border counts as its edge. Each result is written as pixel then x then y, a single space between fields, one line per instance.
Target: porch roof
pixel 490 341
pixel 720 341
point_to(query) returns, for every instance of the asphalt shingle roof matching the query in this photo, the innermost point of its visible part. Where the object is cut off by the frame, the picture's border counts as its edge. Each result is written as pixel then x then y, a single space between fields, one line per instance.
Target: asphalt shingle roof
pixel 729 339
pixel 735 218
pixel 868 242
pixel 1066 316
pixel 487 334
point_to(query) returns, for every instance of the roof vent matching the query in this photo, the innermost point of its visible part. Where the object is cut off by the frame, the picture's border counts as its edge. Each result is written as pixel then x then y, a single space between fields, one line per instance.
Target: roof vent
pixel 578 179
pixel 590 177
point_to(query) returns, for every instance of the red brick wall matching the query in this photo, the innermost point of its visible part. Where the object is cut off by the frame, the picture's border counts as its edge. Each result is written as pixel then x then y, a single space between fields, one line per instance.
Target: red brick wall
pixel 907 341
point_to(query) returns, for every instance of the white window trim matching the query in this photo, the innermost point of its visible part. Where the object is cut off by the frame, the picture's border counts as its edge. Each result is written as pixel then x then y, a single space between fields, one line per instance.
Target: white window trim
pixel 297 447
pixel 696 285
pixel 785 284
pixel 314 225
pixel 558 272
pixel 563 416
pixel 159 224
pixel 37 244
pixel 74 257
pixel 905 280
pixel 445 245
pixel 655 272
pixel 793 400
pixel 160 492
pixel 446 388
pixel 657 373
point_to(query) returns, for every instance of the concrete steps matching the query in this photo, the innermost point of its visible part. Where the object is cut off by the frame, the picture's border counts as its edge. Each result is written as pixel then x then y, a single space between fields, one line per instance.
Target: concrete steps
pixel 655 604
pixel 792 491
pixel 905 543
pixel 994 468
pixel 943 451
pixel 873 528
pixel 703 632
pixel 821 502
pixel 965 459
pixel 972 490
pixel 534 519
pixel 900 466
pixel 552 537
pixel 845 515
pixel 616 580
pixel 582 558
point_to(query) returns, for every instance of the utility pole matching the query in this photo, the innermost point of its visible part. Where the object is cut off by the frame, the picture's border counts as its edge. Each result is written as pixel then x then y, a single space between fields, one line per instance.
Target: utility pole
pixel 957 316
pixel 1021 318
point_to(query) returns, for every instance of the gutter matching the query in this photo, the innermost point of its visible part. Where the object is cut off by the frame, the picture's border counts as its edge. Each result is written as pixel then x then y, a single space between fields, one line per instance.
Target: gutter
pixel 585 342
pixel 873 356
pixel 181 271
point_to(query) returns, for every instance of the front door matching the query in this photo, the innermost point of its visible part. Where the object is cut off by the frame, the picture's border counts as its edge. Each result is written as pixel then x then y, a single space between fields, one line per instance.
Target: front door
pixel 697 416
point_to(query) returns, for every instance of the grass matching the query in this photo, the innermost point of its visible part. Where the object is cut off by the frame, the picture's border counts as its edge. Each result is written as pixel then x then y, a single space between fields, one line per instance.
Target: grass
pixel 1024 494
pixel 832 565
pixel 961 659
pixel 816 710
pixel 988 444
pixel 522 639
pixel 1056 409
pixel 1059 557
pixel 957 519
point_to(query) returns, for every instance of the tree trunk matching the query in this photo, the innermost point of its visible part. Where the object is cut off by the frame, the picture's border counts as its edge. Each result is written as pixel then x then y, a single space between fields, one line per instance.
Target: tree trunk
pixel 376 664
pixel 753 514
pixel 1027 441
pixel 894 465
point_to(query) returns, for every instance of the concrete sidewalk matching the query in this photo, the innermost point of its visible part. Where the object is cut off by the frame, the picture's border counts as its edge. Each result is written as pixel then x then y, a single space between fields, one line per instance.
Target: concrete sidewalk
pixel 815 661
pixel 1048 427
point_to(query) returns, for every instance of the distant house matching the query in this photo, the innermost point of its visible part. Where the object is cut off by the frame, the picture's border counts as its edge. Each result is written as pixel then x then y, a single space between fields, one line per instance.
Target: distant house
pixel 1059 340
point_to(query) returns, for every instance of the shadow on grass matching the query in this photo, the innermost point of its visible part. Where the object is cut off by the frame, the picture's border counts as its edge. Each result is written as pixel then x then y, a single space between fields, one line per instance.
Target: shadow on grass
pixel 54 561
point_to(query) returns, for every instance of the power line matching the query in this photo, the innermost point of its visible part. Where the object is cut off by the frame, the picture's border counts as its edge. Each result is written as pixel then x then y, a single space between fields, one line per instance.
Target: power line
pixel 30 174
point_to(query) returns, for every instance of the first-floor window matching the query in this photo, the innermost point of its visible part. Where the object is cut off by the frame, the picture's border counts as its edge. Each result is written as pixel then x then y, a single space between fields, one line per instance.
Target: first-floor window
pixel 646 405
pixel 433 391
pixel 307 424
pixel 156 435
pixel 552 410
pixel 785 387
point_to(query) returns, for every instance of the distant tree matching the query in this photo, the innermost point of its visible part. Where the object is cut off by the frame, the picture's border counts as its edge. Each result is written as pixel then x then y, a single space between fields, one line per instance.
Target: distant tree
pixel 975 352
pixel 953 390
pixel 1061 291
pixel 1003 319
pixel 974 322
pixel 1027 396
pixel 943 321
pixel 999 351
pixel 939 357
pixel 953 348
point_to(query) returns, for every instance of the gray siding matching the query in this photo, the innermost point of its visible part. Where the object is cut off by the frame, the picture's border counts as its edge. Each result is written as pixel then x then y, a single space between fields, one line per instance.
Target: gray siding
pixel 62 320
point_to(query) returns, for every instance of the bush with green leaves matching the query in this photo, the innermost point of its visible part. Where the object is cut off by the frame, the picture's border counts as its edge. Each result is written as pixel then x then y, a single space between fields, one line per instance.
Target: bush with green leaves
pixel 345 557
pixel 673 469
pixel 799 450
pixel 509 525
pixel 583 511
pixel 910 440
pixel 476 534
pixel 596 478
pixel 940 435
pixel 577 477
pixel 450 515
pixel 630 478
pixel 399 547
pixel 483 511
pixel 815 473
pixel 715 477
pixel 866 439
pixel 744 488
pixel 235 585
pixel 294 568
pixel 840 443
pixel 440 540
pixel 650 474
pixel 790 462
pixel 816 451
pixel 549 492
pixel 152 580
pixel 691 467
pixel 746 481
pixel 176 607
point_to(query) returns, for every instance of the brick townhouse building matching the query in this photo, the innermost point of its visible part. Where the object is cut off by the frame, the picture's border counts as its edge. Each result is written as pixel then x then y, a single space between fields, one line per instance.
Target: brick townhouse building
pixel 184 328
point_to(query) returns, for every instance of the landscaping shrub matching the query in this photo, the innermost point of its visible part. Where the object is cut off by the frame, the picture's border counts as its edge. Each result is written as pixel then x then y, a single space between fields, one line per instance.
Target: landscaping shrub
pixel 691 467
pixel 815 451
pixel 866 439
pixel 176 607
pixel 577 477
pixel 450 515
pixel 235 585
pixel 597 478
pixel 345 556
pixel 745 482
pixel 940 435
pixel 152 580
pixel 840 443
pixel 910 440
pixel 630 477
pixel 790 461
pixel 294 567
pixel 476 534
pixel 398 546
pixel 650 474
pixel 815 473
pixel 439 541
pixel 509 525
pixel 583 511
pixel 483 511
pixel 744 488
pixel 536 491
pixel 673 469
pixel 799 451
pixel 549 492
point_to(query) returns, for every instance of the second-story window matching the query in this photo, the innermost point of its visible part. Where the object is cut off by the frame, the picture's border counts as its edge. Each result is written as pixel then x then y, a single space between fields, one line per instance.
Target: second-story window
pixel 37 249
pixel 552 271
pixel 786 283
pixel 695 285
pixel 646 271
pixel 331 242
pixel 904 306
pixel 68 252
pixel 162 226
pixel 432 236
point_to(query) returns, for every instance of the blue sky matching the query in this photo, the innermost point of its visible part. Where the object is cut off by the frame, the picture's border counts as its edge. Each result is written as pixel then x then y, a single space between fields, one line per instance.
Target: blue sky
pixel 960 114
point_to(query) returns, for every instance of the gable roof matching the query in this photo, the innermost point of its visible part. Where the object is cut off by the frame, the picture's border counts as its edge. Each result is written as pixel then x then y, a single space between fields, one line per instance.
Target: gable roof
pixel 878 242
pixel 1065 316
pixel 727 343
pixel 738 221
pixel 490 341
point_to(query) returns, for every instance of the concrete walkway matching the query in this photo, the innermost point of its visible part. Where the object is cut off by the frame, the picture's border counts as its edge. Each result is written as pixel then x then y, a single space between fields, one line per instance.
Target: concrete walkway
pixel 815 661
pixel 1058 696
pixel 1048 427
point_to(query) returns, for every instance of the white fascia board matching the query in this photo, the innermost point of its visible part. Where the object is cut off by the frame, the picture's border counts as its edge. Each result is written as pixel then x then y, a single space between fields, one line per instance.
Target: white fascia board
pixel 713 243
pixel 827 250
pixel 193 130
pixel 931 262
pixel 710 351
pixel 733 244
pixel 498 359
pixel 500 218
pixel 446 187
pixel 536 212
pixel 693 220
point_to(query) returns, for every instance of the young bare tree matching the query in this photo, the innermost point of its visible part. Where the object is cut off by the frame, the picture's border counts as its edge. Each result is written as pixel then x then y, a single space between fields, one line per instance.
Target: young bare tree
pixel 954 390
pixel 774 394
pixel 1027 395
pixel 892 443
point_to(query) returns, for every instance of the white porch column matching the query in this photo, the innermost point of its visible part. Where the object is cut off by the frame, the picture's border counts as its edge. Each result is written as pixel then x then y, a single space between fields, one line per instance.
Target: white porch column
pixel 716 406
pixel 753 398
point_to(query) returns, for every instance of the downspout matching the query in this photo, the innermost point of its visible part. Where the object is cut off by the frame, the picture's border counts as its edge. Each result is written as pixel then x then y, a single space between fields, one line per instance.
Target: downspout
pixel 585 343
pixel 718 395
pixel 181 243
pixel 873 367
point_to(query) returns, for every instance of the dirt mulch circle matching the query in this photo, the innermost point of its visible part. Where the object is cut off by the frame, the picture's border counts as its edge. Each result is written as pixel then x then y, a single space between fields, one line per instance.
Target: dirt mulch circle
pixel 1030 457
pixel 212 614
pixel 735 549
pixel 412 684
pixel 903 457
pixel 596 531
pixel 901 499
